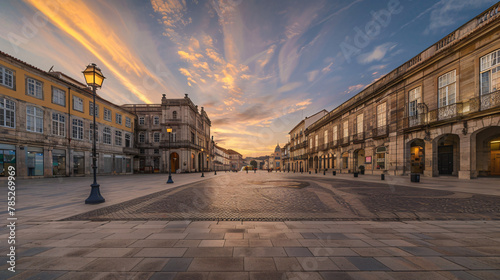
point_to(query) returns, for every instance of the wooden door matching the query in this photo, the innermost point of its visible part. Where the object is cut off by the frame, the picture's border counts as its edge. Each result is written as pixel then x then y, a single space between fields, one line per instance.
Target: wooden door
pixel 495 162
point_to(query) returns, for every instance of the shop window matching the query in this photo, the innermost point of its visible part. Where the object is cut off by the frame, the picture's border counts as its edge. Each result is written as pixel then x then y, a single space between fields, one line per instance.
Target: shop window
pixel 380 156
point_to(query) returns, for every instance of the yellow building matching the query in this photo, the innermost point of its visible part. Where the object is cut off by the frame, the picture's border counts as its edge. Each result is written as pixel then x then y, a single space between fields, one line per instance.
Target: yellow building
pixel 46 120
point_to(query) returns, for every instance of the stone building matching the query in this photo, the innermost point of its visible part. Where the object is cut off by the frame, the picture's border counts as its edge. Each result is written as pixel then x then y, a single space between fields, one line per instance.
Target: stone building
pixel 46 125
pixel 236 160
pixel 437 114
pixel 298 142
pixel 189 148
pixel 222 161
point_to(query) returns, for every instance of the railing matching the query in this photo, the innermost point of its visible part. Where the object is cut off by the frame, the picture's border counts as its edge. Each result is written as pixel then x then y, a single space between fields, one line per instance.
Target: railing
pixel 416 120
pixel 131 151
pixel 173 120
pixel 180 144
pixel 381 131
pixel 490 100
pixel 344 141
pixel 358 137
pixel 446 112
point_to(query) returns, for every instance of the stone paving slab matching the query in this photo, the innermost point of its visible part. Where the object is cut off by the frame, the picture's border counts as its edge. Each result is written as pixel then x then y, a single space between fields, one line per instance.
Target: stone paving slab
pixel 418 254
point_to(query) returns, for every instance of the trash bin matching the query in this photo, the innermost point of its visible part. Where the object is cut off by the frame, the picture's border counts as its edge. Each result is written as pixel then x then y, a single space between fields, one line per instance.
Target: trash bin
pixel 355 174
pixel 415 177
pixel 334 172
pixel 382 176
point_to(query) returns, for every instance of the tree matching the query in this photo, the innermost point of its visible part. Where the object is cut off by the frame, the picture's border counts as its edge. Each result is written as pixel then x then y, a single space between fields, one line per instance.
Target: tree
pixel 254 164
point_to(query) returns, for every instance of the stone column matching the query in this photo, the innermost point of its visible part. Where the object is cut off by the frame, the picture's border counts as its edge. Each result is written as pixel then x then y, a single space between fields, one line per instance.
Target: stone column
pixel 47 162
pixel 464 170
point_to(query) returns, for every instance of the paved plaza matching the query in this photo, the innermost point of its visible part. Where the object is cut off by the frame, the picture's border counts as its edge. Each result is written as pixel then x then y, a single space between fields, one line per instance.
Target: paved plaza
pixel 256 226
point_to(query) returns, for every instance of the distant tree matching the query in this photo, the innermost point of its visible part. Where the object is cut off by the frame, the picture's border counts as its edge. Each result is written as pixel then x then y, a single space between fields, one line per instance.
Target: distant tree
pixel 254 164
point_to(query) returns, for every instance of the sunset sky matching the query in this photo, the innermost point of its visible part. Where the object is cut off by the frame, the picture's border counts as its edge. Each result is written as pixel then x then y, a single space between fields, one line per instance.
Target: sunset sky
pixel 257 67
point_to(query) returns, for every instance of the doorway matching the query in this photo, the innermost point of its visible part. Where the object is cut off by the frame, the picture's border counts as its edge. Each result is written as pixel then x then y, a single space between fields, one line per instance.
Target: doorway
pixel 445 160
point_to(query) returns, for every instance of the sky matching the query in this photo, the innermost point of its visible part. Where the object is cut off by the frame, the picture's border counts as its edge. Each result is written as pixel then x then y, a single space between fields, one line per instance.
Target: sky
pixel 257 67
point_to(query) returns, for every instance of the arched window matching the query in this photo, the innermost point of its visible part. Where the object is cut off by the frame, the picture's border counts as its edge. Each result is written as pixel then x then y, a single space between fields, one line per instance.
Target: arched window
pixel 174 115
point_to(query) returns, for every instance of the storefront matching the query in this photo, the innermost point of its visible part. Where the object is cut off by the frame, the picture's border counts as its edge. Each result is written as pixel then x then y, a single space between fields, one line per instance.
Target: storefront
pixel 34 161
pixel 380 158
pixel 58 162
pixel 78 163
pixel 7 158
pixel 107 168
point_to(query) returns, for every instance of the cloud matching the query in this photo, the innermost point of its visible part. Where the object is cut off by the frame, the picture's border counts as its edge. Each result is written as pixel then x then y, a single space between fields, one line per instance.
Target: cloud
pixel 311 76
pixel 377 54
pixel 354 88
pixel 289 87
pixel 446 13
pixel 327 68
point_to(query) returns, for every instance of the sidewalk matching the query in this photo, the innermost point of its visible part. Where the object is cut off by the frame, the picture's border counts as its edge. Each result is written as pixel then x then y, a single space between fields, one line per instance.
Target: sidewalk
pixel 256 250
pixel 51 249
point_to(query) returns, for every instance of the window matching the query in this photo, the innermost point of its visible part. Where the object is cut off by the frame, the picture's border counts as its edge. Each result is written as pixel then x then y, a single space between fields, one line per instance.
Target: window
pixel 156 151
pixel 381 115
pixel 107 114
pixel 142 151
pixel 91 133
pixel 359 123
pixel 6 77
pixel 141 120
pixel 58 124
pixel 173 137
pixel 128 122
pixel 326 137
pixel 142 137
pixel 106 135
pixel 335 133
pixel 118 138
pixel 118 118
pixel 77 104
pixel 192 137
pixel 447 89
pixel 346 129
pixel 91 109
pixel 128 140
pixel 414 98
pixel 315 140
pixel 77 129
pixel 34 119
pixel 157 120
pixel 490 68
pixel 7 113
pixel 156 137
pixel 34 88
pixel 58 96
pixel 174 115
pixel 380 157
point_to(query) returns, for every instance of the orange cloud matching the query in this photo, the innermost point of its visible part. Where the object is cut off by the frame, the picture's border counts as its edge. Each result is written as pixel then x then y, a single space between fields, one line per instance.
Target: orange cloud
pixel 81 23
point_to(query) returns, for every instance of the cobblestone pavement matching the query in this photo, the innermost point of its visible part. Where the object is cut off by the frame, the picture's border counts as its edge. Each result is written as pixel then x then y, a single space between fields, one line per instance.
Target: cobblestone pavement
pixel 265 196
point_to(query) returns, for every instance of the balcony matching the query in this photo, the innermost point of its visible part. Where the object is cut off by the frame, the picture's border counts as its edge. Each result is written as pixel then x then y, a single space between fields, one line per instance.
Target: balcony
pixel 131 151
pixel 490 100
pixel 344 141
pixel 358 137
pixel 380 132
pixel 416 120
pixel 446 112
pixel 180 144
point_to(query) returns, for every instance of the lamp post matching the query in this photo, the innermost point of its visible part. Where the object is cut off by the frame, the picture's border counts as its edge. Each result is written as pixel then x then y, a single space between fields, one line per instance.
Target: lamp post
pixel 94 78
pixel 202 174
pixel 169 181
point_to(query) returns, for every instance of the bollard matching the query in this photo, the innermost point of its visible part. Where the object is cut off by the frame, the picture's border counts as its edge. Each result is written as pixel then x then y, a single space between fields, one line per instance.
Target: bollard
pixel 355 174
pixel 315 171
pixel 309 172
pixel 382 176
pixel 334 173
pixel 324 172
pixel 255 171
pixel 415 177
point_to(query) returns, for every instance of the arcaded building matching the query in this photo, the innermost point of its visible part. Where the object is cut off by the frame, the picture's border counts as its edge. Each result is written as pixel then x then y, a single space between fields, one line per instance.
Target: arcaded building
pixel 187 147
pixel 438 114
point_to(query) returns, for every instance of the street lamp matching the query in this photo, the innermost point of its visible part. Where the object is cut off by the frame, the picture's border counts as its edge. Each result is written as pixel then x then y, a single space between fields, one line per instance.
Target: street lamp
pixel 202 174
pixel 169 181
pixel 94 78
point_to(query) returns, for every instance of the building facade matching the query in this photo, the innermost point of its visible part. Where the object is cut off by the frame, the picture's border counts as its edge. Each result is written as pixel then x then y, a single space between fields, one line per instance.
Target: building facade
pixel 437 114
pixel 298 142
pixel 46 123
pixel 187 148
pixel 235 159
pixel 222 161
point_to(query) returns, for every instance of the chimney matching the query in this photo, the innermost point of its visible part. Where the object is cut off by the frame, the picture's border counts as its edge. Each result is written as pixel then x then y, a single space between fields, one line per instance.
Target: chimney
pixel 185 95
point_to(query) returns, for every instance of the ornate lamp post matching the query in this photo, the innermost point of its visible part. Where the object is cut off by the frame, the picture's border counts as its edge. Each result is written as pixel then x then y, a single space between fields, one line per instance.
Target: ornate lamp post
pixel 94 78
pixel 169 181
pixel 202 174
